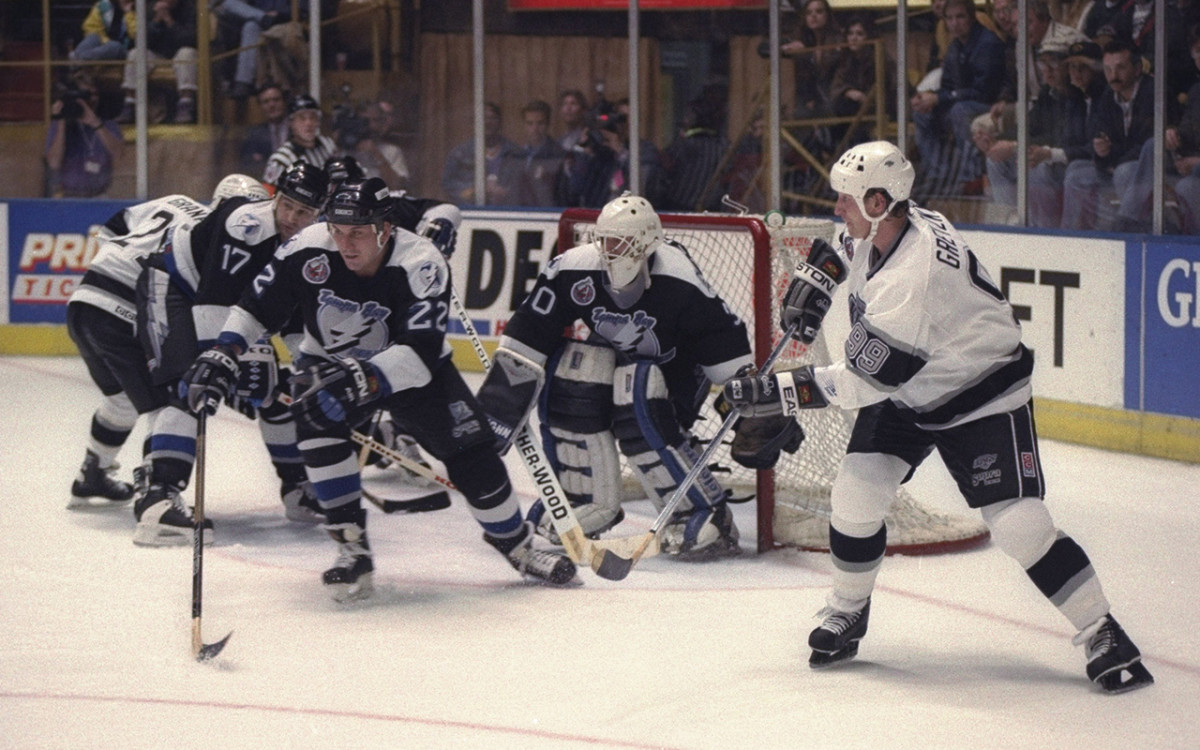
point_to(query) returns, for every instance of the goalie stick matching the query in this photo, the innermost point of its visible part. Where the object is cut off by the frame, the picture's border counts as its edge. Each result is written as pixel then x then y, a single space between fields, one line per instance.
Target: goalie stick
pixel 579 548
pixel 201 650
pixel 617 565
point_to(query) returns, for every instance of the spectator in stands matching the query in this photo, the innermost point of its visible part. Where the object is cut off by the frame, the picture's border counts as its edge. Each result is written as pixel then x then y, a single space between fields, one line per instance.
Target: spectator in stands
pixel 1057 135
pixel 541 158
pixel 941 33
pixel 305 141
pixel 1070 12
pixel 853 81
pixel 572 111
pixel 378 153
pixel 502 165
pixel 1085 71
pixel 251 17
pixel 170 35
pixel 600 163
pixel 690 162
pixel 265 138
pixel 814 60
pixel 1134 23
pixel 972 76
pixel 80 147
pixel 1101 15
pixel 1116 141
pixel 108 31
pixel 740 180
pixel 1181 142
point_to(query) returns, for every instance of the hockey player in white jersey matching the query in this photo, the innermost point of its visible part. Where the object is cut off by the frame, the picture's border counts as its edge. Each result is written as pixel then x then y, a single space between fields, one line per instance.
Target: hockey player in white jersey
pixel 934 360
pixel 150 296
pixel 659 336
pixel 374 300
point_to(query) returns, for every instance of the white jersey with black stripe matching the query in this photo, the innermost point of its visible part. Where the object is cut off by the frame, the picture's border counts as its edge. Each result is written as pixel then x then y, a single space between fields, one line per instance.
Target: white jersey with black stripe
pixel 930 331
pixel 290 154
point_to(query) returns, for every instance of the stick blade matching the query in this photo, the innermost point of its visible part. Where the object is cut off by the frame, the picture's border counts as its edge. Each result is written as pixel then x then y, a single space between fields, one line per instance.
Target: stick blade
pixel 614 558
pixel 611 566
pixel 439 500
pixel 209 651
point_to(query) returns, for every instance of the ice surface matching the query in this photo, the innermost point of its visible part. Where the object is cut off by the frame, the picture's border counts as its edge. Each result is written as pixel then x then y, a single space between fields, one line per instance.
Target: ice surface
pixel 454 652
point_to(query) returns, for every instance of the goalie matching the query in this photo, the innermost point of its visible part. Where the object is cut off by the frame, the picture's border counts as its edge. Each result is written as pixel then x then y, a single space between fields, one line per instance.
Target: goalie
pixel 659 336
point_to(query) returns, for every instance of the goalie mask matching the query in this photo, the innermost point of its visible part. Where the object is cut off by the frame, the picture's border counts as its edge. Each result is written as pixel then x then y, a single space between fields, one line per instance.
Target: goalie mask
pixel 869 166
pixel 626 233
pixel 234 185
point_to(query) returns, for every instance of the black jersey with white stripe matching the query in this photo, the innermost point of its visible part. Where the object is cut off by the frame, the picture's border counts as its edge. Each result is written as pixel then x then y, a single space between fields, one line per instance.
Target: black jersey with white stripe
pixel 395 319
pixel 679 322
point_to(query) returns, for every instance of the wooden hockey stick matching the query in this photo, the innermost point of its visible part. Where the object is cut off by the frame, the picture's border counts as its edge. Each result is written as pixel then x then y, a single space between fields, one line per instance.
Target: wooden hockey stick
pixel 613 559
pixel 201 650
pixel 579 548
pixel 425 503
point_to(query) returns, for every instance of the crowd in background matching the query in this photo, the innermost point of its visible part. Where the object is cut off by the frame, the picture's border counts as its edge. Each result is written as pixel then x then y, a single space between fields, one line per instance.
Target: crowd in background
pixel 1090 83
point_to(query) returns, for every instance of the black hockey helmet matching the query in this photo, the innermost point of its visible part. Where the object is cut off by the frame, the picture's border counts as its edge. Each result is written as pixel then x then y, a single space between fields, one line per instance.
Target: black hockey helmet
pixel 361 202
pixel 302 102
pixel 344 169
pixel 306 184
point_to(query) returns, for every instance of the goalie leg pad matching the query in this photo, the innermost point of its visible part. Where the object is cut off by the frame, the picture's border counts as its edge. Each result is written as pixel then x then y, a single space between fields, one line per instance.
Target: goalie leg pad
pixel 510 389
pixel 661 455
pixel 576 414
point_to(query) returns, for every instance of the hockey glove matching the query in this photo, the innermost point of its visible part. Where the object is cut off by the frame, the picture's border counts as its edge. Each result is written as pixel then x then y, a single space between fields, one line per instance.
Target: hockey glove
pixel 211 379
pixel 442 233
pixel 811 291
pixel 758 440
pixel 771 395
pixel 324 395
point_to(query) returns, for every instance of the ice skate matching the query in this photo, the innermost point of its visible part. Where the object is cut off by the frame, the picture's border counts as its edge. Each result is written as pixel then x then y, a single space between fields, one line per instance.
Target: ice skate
pixel 96 482
pixel 1114 662
pixel 836 638
pixel 350 577
pixel 550 567
pixel 163 520
pixel 702 535
pixel 300 504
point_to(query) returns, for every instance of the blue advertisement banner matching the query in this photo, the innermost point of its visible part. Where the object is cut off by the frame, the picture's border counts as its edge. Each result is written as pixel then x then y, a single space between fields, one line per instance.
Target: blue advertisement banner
pixel 49 248
pixel 1165 278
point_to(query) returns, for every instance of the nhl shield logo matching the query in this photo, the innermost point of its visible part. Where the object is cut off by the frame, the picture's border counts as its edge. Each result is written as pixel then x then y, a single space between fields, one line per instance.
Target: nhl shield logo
pixel 316 270
pixel 583 292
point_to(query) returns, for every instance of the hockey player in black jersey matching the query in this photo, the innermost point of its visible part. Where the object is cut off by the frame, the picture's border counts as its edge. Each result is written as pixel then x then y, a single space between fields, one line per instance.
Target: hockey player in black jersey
pixel 374 300
pixel 149 300
pixel 659 336
pixel 934 360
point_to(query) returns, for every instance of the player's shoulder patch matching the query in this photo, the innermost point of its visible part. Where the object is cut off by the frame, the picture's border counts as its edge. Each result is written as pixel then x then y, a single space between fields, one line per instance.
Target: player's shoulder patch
pixel 423 263
pixel 252 223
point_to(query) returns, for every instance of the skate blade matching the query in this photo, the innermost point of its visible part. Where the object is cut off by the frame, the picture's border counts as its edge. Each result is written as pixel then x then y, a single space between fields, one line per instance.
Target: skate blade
pixel 169 537
pixel 823 659
pixel 1125 679
pixel 101 503
pixel 344 593
pixel 532 580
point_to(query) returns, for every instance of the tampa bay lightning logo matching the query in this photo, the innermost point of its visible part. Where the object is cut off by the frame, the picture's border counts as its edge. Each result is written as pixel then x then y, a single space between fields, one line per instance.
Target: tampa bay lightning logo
pixel 583 292
pixel 429 280
pixel 351 329
pixel 632 333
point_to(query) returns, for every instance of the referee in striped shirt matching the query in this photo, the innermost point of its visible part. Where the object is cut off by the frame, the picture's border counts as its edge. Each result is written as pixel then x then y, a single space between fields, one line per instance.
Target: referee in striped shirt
pixel 305 142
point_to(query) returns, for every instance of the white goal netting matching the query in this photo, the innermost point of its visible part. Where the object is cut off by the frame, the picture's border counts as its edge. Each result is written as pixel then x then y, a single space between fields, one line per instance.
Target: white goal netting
pixel 750 265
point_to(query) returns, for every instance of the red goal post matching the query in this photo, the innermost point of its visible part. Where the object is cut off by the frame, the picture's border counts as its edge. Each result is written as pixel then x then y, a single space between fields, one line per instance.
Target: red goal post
pixel 750 265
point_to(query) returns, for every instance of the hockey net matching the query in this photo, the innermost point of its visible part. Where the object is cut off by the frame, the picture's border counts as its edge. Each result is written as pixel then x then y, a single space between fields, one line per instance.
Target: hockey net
pixel 750 265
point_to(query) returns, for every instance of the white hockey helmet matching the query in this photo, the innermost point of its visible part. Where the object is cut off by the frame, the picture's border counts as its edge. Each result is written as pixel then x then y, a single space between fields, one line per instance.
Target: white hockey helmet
pixel 234 185
pixel 634 229
pixel 874 165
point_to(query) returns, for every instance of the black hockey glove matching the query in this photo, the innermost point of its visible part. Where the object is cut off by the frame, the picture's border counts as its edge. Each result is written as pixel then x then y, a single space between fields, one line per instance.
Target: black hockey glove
pixel 771 395
pixel 813 284
pixel 324 395
pixel 211 379
pixel 442 233
pixel 758 440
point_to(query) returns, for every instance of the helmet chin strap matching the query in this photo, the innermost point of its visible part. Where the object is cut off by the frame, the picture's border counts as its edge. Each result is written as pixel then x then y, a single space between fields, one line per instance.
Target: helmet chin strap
pixel 874 222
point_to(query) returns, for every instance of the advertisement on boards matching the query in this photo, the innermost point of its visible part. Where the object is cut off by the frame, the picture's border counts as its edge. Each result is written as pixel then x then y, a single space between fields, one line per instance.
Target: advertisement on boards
pixel 47 249
pixel 1164 356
